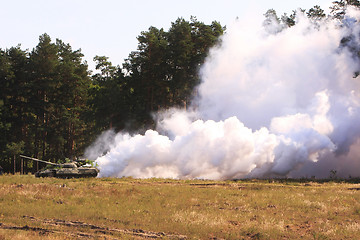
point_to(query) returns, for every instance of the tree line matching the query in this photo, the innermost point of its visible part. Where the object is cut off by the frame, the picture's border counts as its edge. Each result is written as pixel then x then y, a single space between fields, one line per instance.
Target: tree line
pixel 52 107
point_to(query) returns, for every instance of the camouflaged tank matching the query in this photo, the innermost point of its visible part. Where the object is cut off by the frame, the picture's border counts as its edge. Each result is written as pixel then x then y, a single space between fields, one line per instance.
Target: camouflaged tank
pixel 65 170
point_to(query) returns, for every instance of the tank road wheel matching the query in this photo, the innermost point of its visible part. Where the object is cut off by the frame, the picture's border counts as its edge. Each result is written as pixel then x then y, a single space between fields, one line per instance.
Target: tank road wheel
pixel 52 174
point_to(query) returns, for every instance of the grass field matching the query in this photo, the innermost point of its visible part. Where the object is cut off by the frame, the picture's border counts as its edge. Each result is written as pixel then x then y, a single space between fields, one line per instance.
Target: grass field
pixel 126 208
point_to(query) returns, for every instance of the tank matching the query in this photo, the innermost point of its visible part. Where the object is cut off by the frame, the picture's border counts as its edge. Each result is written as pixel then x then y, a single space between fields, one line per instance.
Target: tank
pixel 65 170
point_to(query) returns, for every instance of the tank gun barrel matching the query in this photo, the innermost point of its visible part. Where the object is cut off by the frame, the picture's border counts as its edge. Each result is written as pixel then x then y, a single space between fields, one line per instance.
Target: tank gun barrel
pixel 38 160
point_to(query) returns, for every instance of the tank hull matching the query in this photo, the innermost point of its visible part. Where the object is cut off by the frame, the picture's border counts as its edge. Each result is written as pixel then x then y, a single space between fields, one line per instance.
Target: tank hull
pixel 68 173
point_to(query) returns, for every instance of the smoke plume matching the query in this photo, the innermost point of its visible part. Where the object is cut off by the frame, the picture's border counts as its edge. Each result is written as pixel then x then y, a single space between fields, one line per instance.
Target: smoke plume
pixel 270 104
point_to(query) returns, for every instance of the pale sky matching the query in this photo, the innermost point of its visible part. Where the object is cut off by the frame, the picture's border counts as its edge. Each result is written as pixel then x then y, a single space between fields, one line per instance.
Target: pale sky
pixel 109 27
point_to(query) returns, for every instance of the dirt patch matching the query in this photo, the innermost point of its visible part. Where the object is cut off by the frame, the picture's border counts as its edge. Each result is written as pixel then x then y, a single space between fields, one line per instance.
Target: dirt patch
pixel 43 231
pixel 78 227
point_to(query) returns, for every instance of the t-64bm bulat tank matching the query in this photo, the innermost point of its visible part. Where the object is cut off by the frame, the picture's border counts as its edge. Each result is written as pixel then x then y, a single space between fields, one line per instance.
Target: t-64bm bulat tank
pixel 64 170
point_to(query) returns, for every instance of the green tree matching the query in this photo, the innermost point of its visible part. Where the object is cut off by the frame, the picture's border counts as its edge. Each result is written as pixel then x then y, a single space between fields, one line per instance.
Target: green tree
pixel 70 101
pixel 147 76
pixel 338 8
pixel 14 149
pixel 13 100
pixel 6 76
pixel 43 83
pixel 163 72
pixel 288 21
pixel 189 43
pixel 108 96
pixel 316 13
pixel 59 82
pixel 272 22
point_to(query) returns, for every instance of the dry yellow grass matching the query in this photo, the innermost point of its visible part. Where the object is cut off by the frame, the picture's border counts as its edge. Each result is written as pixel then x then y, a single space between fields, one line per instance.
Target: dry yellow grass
pixel 127 208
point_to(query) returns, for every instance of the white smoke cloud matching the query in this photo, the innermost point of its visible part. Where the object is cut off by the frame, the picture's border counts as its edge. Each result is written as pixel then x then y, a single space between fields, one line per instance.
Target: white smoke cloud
pixel 102 145
pixel 284 104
